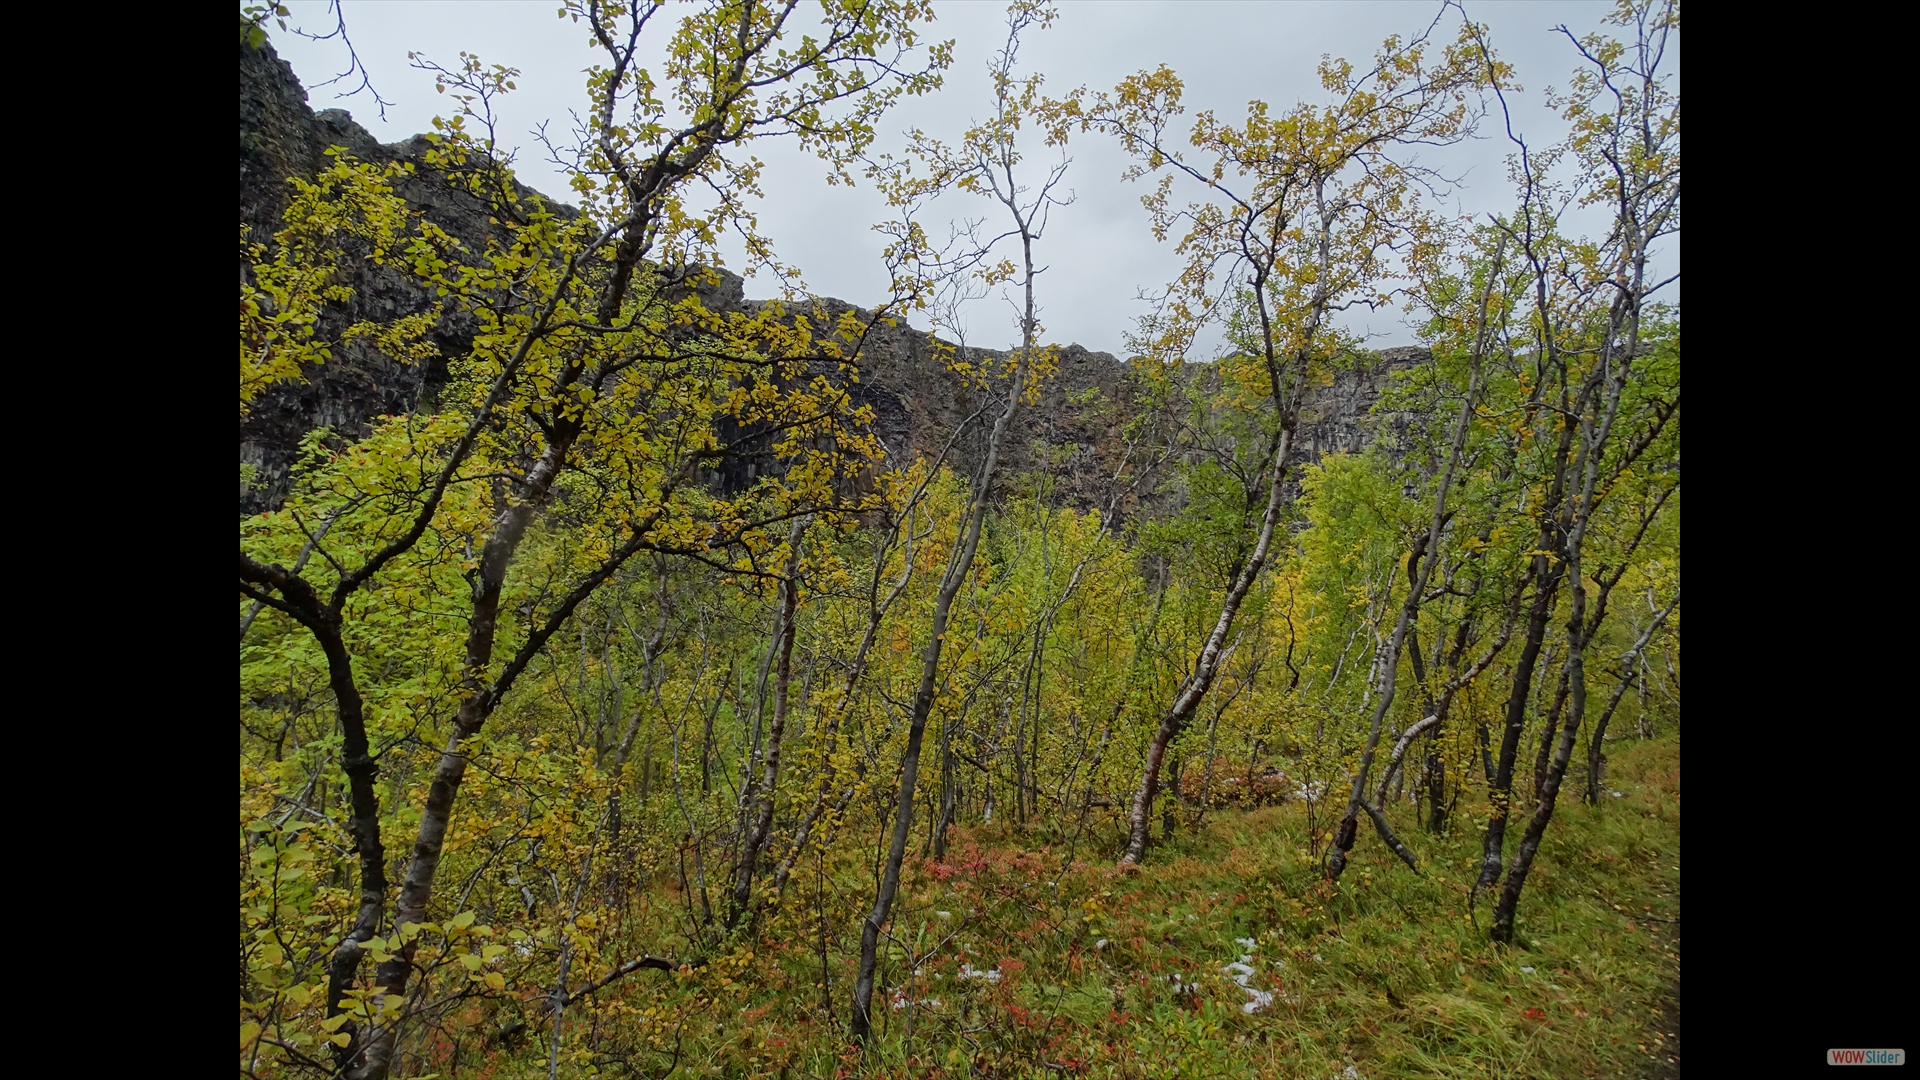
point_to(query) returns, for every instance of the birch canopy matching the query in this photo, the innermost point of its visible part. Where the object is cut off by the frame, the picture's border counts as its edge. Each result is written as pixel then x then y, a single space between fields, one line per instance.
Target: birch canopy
pixel 694 685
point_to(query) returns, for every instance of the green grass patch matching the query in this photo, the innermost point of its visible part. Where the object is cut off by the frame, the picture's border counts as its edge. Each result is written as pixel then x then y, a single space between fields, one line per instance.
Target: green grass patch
pixel 1012 961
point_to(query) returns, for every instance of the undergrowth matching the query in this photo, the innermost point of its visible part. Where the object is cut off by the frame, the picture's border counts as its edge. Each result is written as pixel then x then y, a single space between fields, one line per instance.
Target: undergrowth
pixel 1010 959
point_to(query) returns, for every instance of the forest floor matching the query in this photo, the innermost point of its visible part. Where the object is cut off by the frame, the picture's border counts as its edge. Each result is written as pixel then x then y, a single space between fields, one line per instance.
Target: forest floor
pixel 1027 955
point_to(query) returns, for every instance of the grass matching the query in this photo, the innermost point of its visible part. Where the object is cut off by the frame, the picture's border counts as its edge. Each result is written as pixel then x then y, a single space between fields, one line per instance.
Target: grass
pixel 1009 960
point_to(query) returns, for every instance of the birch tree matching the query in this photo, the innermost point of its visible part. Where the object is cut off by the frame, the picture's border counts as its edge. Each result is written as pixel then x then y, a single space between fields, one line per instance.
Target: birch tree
pixel 985 162
pixel 1301 213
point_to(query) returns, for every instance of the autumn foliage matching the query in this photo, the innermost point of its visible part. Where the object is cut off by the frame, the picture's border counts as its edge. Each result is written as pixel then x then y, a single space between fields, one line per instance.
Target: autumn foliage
pixel 637 710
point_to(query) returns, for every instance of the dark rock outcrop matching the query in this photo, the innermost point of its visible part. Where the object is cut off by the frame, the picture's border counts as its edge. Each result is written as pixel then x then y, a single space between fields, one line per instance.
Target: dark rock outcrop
pixel 1340 417
pixel 1071 437
pixel 1070 434
pixel 282 137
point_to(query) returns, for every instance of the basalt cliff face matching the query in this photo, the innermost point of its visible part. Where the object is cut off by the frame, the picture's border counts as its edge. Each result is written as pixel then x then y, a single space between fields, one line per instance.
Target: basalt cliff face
pixel 1071 436
pixel 282 137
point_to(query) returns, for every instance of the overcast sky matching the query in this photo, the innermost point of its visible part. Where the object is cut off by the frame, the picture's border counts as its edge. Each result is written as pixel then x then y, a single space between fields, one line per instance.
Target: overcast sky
pixel 1098 251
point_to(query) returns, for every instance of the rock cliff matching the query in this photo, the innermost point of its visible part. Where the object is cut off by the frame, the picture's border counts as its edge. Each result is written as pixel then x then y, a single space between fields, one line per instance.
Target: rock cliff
pixel 1072 435
pixel 282 137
